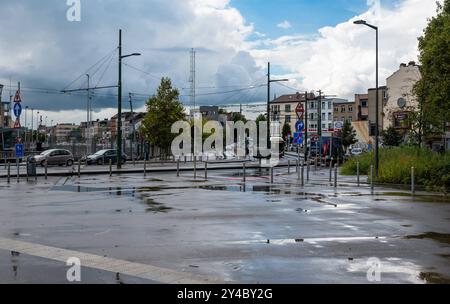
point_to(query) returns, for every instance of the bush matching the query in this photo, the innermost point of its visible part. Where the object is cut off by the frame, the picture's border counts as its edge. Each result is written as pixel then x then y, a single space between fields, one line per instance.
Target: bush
pixel 431 170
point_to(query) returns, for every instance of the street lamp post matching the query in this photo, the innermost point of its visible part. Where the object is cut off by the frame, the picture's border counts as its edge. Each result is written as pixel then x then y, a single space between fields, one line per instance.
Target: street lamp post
pixel 119 103
pixel 377 130
pixel 269 81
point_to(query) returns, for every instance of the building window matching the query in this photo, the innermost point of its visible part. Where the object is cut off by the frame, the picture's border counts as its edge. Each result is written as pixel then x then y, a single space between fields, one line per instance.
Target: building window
pixel 324 116
pixel 330 126
pixel 330 116
pixel 329 105
pixel 324 126
pixel 342 109
pixel 287 108
pixel 311 105
pixel 288 118
pixel 350 109
pixel 323 105
pixel 311 116
pixel 364 104
pixel 350 119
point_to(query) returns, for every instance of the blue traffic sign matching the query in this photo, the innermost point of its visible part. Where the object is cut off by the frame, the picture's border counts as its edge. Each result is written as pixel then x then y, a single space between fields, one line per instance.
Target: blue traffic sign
pixel 300 126
pixel 298 138
pixel 19 150
pixel 17 109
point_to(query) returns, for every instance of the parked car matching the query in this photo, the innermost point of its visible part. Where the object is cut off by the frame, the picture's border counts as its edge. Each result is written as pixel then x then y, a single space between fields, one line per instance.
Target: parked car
pixel 53 157
pixel 104 156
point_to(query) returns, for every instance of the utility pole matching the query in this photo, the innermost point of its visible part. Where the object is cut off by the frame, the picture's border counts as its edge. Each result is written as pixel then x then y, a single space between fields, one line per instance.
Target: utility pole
pixel 319 127
pixel 119 103
pixel 268 106
pixel 192 78
pixel 306 127
pixel 119 107
pixel 88 116
pixel 133 137
pixel 269 81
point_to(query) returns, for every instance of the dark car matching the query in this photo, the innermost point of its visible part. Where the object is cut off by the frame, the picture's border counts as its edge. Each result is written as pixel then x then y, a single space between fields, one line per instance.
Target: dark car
pixel 104 156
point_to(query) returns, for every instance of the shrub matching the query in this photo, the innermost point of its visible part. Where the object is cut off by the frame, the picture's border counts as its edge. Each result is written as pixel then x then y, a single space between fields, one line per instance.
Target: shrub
pixel 431 170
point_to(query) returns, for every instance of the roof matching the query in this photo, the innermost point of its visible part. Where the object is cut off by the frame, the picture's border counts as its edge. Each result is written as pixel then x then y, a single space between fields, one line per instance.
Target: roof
pixel 289 98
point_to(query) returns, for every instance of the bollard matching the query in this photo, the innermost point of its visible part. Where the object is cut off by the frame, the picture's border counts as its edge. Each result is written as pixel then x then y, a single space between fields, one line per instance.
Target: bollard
pixel 79 169
pixel 303 173
pixel 271 175
pixel 46 169
pixel 9 172
pixel 185 159
pixel 289 167
pixel 331 169
pixel 335 175
pixel 308 169
pixel 27 169
pixel 244 173
pixel 178 167
pixel 206 170
pixel 145 168
pixel 372 186
pixel 298 171
pixel 298 166
pixel 110 168
pixel 195 167
pixel 357 174
pixel 413 189
pixel 315 163
pixel 18 170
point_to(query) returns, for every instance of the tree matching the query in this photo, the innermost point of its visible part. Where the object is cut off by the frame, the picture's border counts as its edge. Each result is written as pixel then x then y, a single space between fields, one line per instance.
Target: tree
pixel 391 137
pixel 239 117
pixel 286 131
pixel 348 136
pixel 163 110
pixel 433 89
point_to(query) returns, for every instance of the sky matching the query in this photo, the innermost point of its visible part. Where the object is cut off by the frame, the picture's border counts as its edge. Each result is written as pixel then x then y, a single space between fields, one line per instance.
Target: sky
pixel 312 43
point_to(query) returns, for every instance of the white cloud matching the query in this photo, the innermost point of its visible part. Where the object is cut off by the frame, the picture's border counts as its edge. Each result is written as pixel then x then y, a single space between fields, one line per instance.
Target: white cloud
pixel 284 25
pixel 341 60
pixel 44 50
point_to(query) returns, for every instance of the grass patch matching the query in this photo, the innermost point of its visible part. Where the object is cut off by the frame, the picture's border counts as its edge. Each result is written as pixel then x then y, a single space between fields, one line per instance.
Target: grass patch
pixel 432 170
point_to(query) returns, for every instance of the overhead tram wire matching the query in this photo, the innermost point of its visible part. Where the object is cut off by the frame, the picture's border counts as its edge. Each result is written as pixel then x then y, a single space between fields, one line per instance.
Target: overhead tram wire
pixel 106 57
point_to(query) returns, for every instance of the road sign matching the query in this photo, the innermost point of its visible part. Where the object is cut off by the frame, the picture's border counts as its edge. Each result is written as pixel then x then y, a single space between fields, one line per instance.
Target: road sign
pixel 17 124
pixel 300 126
pixel 300 108
pixel 17 98
pixel 298 138
pixel 17 109
pixel 338 125
pixel 19 150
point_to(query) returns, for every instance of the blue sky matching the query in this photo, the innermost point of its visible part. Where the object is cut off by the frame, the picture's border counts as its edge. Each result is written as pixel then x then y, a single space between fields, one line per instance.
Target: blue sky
pixel 305 16
pixel 47 51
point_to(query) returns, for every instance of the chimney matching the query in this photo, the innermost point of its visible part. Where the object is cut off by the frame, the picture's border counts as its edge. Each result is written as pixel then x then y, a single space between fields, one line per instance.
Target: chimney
pixel 402 65
pixel 412 63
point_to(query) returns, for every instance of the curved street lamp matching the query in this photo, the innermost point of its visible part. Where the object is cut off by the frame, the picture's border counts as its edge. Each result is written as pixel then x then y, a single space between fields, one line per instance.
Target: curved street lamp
pixel 377 131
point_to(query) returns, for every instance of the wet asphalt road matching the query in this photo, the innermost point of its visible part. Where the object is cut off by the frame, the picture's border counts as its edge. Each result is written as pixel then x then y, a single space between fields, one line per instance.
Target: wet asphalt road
pixel 221 228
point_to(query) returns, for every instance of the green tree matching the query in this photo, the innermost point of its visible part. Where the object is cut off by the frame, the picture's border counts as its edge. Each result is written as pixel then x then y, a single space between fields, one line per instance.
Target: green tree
pixel 239 117
pixel 433 90
pixel 163 110
pixel 348 136
pixel 286 131
pixel 391 137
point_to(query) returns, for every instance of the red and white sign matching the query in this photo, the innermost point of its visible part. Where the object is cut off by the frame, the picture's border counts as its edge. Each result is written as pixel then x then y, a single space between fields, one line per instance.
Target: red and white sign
pixel 17 98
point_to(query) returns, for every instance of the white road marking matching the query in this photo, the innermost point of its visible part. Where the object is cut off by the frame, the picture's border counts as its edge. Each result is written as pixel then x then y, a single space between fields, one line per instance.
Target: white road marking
pixel 143 271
